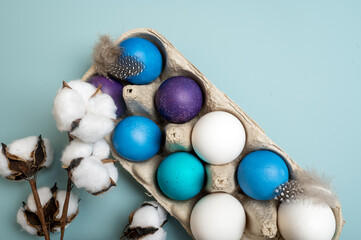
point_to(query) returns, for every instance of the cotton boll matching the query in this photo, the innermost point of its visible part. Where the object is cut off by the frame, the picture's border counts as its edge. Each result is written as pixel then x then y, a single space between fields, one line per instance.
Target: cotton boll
pixel 102 105
pixel 146 216
pixel 4 165
pixel 92 128
pixel 101 149
pixel 162 213
pixel 76 149
pixel 23 147
pixel 72 207
pixel 21 219
pixel 49 153
pixel 160 234
pixel 112 170
pixel 68 106
pixel 91 175
pixel 44 194
pixel 84 89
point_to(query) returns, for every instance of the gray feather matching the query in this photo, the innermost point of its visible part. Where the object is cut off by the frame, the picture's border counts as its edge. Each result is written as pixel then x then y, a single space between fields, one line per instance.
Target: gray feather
pixel 307 184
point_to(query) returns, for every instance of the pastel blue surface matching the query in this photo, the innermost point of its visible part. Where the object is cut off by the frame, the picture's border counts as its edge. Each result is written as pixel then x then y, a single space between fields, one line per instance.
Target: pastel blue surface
pixel 293 66
pixel 137 138
pixel 181 176
pixel 260 173
pixel 148 54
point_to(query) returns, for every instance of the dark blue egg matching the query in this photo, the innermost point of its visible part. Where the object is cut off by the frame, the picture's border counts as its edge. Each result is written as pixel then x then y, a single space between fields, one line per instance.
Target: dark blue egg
pixel 137 138
pixel 147 54
pixel 260 173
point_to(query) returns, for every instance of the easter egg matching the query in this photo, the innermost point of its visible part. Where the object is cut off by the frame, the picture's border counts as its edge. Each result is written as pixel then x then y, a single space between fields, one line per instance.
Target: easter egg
pixel 218 137
pixel 306 220
pixel 218 216
pixel 260 173
pixel 112 88
pixel 147 54
pixel 179 99
pixel 181 176
pixel 137 138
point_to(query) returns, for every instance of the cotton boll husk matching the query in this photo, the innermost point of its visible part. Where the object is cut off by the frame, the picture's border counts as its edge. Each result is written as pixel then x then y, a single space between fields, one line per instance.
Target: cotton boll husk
pixel 112 170
pixel 76 149
pixel 23 147
pixel 73 204
pixel 44 195
pixel 92 128
pixel 101 149
pixel 91 175
pixel 68 106
pixel 4 164
pixel 102 105
pixel 146 216
pixel 162 213
pixel 49 153
pixel 160 234
pixel 21 219
pixel 84 89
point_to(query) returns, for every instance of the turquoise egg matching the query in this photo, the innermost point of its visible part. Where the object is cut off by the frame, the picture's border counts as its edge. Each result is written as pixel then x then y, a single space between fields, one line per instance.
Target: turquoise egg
pixel 181 176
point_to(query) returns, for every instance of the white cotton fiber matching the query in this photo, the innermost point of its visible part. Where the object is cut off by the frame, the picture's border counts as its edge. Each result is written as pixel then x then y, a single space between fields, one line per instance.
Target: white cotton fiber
pixel 44 195
pixel 21 219
pixel 68 107
pixel 4 164
pixel 102 105
pixel 146 216
pixel 91 175
pixel 162 213
pixel 49 153
pixel 112 170
pixel 101 149
pixel 92 128
pixel 23 147
pixel 72 207
pixel 158 235
pixel 84 89
pixel 76 149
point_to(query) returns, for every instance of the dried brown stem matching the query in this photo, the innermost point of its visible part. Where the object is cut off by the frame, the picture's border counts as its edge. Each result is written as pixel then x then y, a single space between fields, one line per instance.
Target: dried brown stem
pixel 40 211
pixel 64 215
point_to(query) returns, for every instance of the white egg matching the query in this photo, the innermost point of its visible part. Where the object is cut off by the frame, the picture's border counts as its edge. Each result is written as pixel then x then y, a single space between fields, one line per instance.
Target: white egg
pixel 218 137
pixel 218 216
pixel 305 220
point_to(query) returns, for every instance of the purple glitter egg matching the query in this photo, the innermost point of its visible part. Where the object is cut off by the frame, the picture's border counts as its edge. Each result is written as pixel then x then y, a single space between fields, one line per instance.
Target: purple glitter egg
pixel 179 99
pixel 113 89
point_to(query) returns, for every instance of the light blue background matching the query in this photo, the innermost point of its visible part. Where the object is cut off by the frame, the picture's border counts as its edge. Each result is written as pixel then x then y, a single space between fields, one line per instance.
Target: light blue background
pixel 293 66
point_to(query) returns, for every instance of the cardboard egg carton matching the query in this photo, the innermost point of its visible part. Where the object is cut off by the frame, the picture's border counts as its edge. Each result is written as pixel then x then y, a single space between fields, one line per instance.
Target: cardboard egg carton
pixel 261 216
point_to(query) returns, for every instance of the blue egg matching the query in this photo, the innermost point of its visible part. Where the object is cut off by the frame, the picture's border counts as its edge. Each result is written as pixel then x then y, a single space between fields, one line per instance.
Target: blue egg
pixel 137 138
pixel 147 54
pixel 260 173
pixel 181 176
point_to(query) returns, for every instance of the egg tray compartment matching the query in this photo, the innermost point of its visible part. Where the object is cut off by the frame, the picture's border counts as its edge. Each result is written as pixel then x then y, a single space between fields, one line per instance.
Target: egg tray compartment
pixel 261 216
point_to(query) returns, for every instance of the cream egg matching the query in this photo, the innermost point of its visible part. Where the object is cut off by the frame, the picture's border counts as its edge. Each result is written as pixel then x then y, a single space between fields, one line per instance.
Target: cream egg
pixel 218 216
pixel 305 220
pixel 218 137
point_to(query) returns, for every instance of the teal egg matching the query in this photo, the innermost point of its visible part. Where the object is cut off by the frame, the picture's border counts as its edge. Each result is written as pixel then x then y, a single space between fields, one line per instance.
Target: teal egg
pixel 181 176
